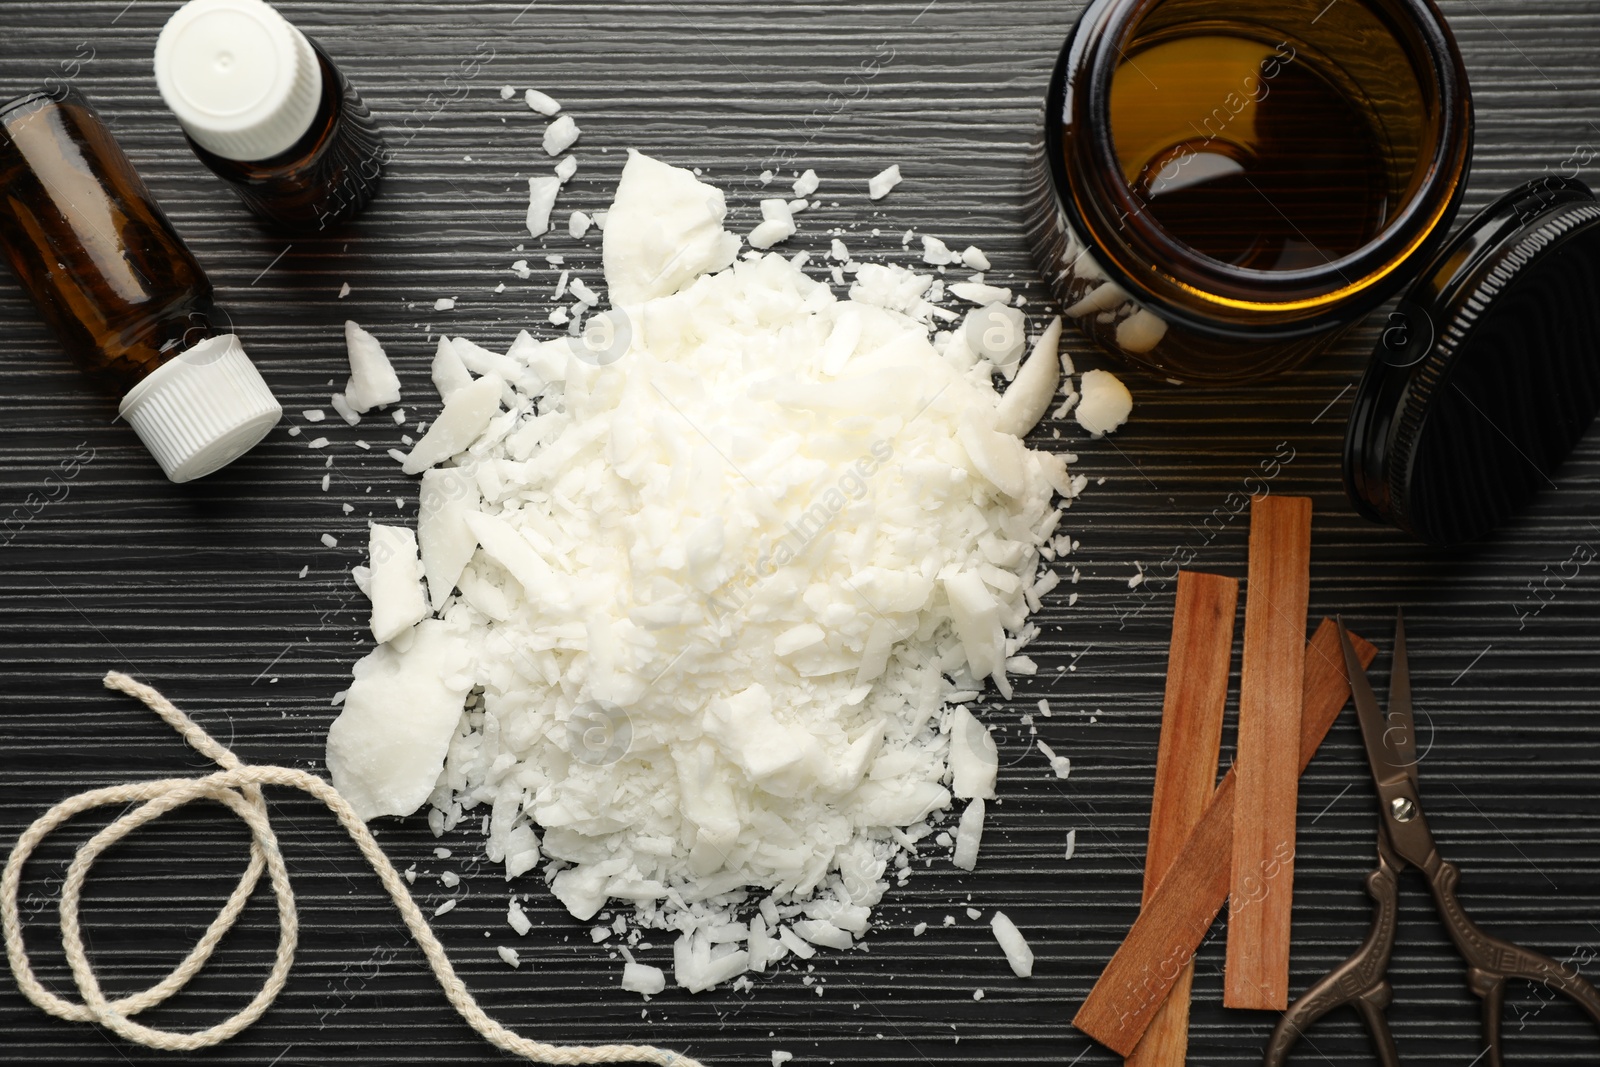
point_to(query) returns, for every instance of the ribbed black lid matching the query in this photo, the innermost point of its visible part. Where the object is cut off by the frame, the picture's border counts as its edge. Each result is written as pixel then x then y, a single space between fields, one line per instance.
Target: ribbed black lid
pixel 1488 372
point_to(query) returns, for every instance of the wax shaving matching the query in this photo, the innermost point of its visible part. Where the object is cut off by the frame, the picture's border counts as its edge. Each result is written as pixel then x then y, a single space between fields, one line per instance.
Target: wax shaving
pixel 712 585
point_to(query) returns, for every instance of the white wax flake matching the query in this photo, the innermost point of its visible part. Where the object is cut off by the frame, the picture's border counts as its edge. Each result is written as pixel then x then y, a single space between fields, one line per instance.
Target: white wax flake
pixel 542 192
pixel 507 92
pixel 643 979
pixel 450 879
pixel 517 919
pixel 973 257
pixel 510 956
pixel 411 874
pixel 399 416
pixel 560 135
pixel 330 541
pixel 837 251
pixel 768 233
pixel 1034 386
pixel 806 184
pixel 777 224
pixel 593 566
pixel 444 303
pixel 521 269
pixel 766 177
pixel 1141 331
pixel 373 382
pixel 1106 403
pixel 540 103
pixel 578 224
pixel 919 929
pixel 398 601
pixel 999 334
pixel 669 232
pixel 445 909
pixel 974 913
pixel 319 442
pixel 466 413
pixel 974 759
pixel 567 168
pixel 344 290
pixel 1060 765
pixel 880 184
pixel 294 431
pixel 1072 844
pixel 313 414
pixel 780 1057
pixel 327 479
pixel 969 836
pixel 1012 943
pixel 347 509
pixel 935 252
pixel 980 293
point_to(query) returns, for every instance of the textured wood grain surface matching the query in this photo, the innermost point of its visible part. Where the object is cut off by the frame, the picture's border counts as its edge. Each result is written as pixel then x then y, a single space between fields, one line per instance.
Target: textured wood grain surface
pixel 197 589
pixel 1271 680
pixel 1199 663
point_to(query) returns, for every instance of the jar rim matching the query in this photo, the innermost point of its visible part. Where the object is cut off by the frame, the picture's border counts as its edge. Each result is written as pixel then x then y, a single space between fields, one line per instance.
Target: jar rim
pixel 1208 294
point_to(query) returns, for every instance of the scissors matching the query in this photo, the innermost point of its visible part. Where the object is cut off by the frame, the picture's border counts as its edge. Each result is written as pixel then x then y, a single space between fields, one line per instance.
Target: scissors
pixel 1404 840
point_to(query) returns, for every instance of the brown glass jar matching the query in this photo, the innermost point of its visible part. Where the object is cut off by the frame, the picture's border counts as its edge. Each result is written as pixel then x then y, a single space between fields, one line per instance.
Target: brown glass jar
pixel 1223 189
pixel 265 109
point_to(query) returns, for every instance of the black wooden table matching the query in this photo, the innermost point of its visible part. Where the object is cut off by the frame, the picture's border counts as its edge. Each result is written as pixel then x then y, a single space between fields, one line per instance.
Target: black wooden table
pixel 198 589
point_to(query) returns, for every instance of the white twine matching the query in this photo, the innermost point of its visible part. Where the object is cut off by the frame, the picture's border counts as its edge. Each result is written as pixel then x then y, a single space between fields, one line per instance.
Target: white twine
pixel 238 786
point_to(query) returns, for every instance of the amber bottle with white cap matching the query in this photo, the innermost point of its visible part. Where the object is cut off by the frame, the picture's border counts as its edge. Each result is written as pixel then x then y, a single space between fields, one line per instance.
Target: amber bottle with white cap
pixel 265 109
pixel 119 287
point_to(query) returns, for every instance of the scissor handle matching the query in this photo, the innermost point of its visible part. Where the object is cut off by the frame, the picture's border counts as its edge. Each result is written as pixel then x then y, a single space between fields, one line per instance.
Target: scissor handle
pixel 1361 981
pixel 1492 960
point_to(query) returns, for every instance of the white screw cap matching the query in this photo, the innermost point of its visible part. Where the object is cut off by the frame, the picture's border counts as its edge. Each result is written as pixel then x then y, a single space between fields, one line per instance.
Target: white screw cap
pixel 200 412
pixel 243 82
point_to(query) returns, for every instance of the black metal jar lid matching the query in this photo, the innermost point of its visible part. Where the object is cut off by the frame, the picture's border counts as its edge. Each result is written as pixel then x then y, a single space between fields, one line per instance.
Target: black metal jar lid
pixel 1488 372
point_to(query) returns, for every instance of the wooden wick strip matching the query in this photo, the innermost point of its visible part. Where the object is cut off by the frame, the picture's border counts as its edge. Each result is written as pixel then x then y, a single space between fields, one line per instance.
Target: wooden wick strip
pixel 1271 678
pixel 1172 924
pixel 1198 663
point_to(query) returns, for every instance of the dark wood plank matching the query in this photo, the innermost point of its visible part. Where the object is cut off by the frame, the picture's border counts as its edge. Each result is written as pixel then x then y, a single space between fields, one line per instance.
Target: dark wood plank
pixel 197 589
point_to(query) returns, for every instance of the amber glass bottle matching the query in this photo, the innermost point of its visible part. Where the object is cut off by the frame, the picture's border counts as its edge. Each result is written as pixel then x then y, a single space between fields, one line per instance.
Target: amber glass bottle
pixel 264 107
pixel 119 287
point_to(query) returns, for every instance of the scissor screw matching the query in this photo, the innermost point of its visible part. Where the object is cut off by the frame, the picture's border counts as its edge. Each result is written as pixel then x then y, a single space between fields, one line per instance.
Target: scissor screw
pixel 1403 809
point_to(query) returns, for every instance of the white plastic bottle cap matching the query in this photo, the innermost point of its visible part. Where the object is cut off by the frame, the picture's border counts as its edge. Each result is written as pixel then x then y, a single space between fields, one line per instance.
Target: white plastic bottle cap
pixel 200 412
pixel 243 82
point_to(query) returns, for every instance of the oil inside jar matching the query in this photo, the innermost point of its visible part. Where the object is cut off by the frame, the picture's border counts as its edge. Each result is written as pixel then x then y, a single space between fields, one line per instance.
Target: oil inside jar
pixel 1247 152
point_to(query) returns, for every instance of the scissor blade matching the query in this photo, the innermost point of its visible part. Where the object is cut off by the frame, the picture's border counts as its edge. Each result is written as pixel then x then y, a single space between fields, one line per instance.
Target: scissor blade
pixel 1400 733
pixel 1379 757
